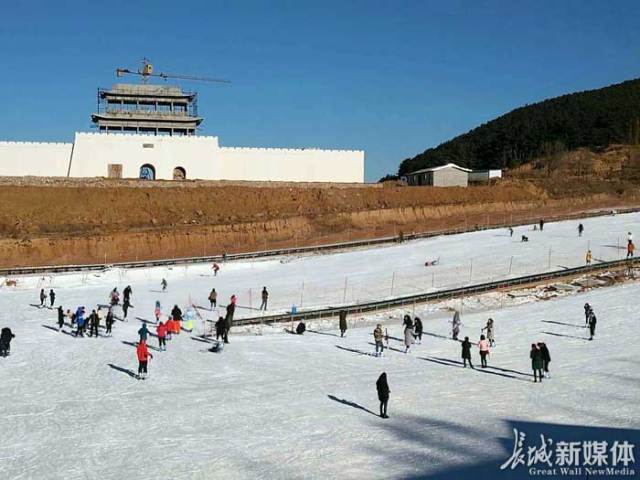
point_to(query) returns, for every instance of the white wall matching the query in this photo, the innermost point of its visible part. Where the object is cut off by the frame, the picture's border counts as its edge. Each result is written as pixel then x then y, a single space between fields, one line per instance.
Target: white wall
pixel 201 157
pixel 34 158
pixel 295 165
pixel 92 153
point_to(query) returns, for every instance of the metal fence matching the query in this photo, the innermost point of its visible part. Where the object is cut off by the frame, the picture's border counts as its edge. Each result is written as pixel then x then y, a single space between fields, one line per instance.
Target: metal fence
pixel 9 271
pixel 407 300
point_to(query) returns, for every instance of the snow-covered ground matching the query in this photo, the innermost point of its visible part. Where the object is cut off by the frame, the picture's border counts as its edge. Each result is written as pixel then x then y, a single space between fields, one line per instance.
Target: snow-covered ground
pixel 288 406
pixel 354 275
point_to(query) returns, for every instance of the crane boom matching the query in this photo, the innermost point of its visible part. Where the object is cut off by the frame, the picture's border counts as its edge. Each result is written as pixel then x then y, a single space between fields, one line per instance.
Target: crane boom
pixel 147 71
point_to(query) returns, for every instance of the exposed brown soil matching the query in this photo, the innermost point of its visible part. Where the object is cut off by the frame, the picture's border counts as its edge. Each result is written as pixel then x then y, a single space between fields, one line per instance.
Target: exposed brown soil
pixel 62 221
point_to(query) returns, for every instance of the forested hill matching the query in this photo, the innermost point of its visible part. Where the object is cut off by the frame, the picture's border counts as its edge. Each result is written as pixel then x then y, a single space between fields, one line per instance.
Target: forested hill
pixel 591 118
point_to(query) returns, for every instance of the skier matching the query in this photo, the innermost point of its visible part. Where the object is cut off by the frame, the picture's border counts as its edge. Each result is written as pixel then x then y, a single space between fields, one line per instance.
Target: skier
pixel 629 237
pixel 587 313
pixel 490 332
pixel 143 332
pixel 164 285
pixel 417 323
pixel 580 229
pixel 377 337
pixel 466 352
pixel 408 333
pixel 5 341
pixel 383 394
pixel 109 321
pixel 71 317
pixel 541 224
pixel 157 311
pixel 52 297
pixel 455 325
pixel 483 346
pixel 588 257
pixel 300 329
pixel 215 269
pixel 265 298
pixel 93 324
pixel 220 329
pixel 127 294
pixel 143 357
pixel 546 358
pixel 161 331
pixel 60 317
pixel 536 362
pixel 510 232
pixel 213 299
pixel 43 297
pixel 343 322
pixel 592 325
pixel 630 249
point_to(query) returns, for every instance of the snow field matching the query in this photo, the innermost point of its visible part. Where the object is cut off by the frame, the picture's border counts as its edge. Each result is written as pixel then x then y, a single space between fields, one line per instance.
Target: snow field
pixel 264 407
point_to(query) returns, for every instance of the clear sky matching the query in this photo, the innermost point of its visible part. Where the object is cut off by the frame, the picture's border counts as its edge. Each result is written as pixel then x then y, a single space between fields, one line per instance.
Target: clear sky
pixel 392 78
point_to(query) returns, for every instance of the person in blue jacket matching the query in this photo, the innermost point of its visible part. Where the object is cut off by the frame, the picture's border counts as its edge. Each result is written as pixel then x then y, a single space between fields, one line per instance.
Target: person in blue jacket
pixel 80 321
pixel 143 332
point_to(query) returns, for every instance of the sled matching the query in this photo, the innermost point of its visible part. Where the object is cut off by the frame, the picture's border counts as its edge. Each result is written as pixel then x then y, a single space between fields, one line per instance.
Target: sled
pixel 431 263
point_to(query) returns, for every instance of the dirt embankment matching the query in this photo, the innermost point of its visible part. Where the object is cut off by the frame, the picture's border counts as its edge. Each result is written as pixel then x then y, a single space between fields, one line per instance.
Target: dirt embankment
pixel 46 221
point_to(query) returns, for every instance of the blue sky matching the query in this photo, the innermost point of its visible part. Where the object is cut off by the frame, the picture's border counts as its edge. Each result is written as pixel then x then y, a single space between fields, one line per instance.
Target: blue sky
pixel 392 78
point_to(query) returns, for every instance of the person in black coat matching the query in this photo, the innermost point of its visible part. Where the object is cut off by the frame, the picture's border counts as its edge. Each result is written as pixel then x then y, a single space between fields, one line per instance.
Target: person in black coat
pixel 228 320
pixel 546 358
pixel 417 329
pixel 125 307
pixel 221 329
pixel 592 325
pixel 383 394
pixel 5 341
pixel 60 317
pixel 300 329
pixel 343 322
pixel 52 296
pixel 466 352
pixel 127 293
pixel 176 313
pixel 94 321
pixel 109 321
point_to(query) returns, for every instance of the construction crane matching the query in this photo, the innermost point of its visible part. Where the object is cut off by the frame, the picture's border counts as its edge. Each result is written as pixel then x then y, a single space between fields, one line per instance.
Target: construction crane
pixel 147 72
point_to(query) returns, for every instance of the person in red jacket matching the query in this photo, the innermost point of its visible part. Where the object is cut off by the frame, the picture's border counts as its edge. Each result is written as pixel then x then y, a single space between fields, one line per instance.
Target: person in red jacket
pixel 168 325
pixel 143 357
pixel 161 330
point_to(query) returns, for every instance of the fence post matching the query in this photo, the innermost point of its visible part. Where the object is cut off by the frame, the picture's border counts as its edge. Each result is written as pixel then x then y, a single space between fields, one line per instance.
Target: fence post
pixel 549 265
pixel 301 293
pixel 393 279
pixel 344 297
pixel 470 269
pixel 510 264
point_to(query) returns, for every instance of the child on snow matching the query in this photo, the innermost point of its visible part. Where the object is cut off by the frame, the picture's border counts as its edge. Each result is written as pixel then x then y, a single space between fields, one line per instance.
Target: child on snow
pixel 417 324
pixel 466 352
pixel 483 346
pixel 143 357
pixel 490 332
pixel 161 331
pixel 377 337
